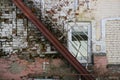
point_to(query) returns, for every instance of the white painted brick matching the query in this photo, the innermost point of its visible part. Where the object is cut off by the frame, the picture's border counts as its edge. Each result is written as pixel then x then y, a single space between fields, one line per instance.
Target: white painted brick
pixel 113 41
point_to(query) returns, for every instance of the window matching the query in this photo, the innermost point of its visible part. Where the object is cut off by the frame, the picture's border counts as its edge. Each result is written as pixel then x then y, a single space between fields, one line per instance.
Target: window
pixel 79 36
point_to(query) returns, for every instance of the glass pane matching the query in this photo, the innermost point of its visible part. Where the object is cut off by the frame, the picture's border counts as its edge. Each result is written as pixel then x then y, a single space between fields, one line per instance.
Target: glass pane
pixel 79 36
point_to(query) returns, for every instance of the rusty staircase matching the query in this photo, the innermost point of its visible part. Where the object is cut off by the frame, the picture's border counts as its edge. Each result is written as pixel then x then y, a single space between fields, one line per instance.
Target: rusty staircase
pixel 49 35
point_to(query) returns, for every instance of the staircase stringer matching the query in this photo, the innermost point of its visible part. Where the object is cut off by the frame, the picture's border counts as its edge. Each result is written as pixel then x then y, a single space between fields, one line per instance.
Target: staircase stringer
pixel 64 51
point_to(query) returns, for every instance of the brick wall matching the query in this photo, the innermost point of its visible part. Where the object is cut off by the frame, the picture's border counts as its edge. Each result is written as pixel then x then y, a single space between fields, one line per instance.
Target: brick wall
pixel 113 41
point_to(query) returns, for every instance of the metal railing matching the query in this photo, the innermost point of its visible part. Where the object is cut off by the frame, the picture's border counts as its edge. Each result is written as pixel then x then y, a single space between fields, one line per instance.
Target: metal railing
pixel 66 54
pixel 58 26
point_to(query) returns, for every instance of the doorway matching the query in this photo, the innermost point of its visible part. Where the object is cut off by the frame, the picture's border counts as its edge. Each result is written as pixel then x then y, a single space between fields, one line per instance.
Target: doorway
pixel 79 41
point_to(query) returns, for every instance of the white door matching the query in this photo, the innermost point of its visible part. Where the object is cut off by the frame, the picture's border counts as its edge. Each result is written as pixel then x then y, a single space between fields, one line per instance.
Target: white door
pixel 79 41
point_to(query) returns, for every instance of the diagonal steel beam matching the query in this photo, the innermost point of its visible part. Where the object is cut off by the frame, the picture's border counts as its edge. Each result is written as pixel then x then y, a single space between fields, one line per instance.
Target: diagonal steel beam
pixel 64 51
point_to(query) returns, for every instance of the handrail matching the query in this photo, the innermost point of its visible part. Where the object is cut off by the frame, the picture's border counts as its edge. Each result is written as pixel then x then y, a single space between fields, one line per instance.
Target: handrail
pixel 66 54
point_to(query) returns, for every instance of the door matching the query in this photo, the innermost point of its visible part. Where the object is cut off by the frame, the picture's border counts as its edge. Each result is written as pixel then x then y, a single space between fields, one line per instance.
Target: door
pixel 79 41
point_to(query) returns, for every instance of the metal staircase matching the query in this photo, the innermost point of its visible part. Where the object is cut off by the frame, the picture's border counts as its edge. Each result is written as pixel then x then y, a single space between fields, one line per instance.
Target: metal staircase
pixel 58 17
pixel 48 28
